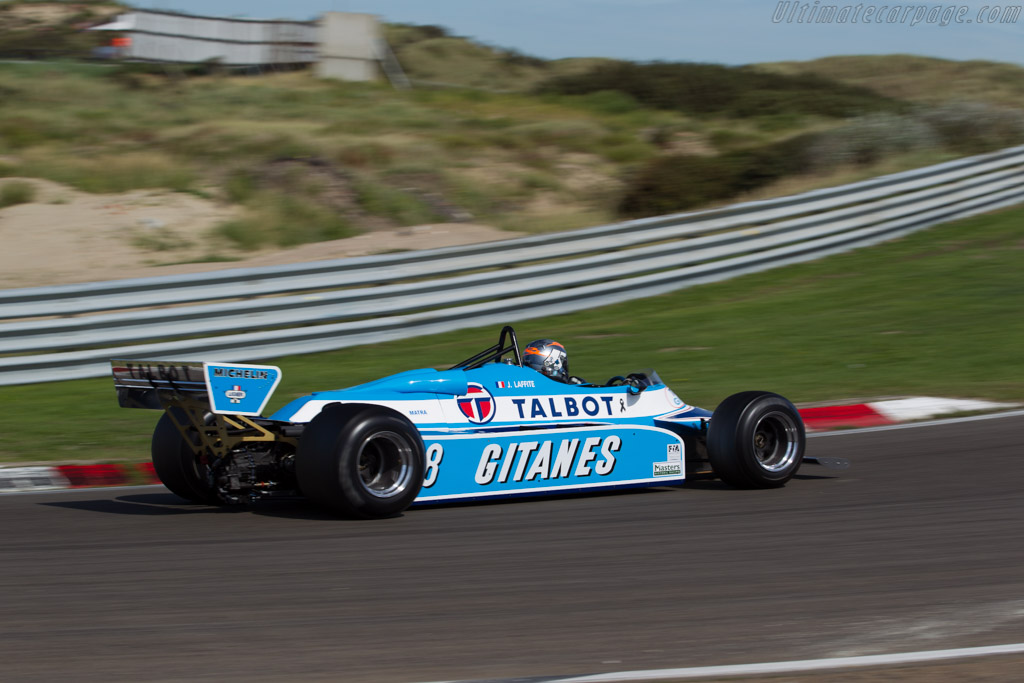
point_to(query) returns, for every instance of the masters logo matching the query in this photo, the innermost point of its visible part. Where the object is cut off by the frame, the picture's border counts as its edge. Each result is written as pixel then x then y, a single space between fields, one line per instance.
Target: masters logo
pixel 668 469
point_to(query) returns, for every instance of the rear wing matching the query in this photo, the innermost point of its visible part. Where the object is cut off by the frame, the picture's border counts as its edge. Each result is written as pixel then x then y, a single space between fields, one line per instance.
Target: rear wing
pixel 227 388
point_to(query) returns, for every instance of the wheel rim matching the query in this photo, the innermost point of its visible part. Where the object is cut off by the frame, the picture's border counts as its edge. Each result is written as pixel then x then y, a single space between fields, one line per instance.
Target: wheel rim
pixel 776 441
pixel 385 464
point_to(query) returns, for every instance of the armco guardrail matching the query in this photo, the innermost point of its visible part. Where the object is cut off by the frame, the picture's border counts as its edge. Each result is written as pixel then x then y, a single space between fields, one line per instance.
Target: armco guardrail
pixel 53 333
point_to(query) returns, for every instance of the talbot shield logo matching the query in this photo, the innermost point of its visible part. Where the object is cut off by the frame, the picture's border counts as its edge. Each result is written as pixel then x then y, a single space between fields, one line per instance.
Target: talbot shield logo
pixel 477 405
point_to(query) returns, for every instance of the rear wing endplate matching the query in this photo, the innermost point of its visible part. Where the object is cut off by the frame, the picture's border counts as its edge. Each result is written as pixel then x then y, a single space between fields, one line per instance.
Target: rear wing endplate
pixel 228 388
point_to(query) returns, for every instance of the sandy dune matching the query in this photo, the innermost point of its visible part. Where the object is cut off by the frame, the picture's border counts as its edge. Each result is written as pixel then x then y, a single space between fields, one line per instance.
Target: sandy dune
pixel 65 236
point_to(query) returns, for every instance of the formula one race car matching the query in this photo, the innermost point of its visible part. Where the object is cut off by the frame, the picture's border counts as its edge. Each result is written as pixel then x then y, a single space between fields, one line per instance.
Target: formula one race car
pixel 486 428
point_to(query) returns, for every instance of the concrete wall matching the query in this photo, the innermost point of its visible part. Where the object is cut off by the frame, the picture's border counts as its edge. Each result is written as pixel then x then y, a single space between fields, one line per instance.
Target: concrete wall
pixel 350 47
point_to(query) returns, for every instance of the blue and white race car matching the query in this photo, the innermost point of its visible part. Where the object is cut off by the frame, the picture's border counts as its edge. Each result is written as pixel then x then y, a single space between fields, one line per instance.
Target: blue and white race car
pixel 486 428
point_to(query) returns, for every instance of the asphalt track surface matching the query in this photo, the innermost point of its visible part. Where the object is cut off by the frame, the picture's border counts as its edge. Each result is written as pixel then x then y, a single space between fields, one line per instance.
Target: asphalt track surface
pixel 918 546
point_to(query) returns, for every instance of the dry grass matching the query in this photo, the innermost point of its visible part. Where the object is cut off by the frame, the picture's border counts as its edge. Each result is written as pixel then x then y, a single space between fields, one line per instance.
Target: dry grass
pixel 431 56
pixel 919 79
pixel 109 171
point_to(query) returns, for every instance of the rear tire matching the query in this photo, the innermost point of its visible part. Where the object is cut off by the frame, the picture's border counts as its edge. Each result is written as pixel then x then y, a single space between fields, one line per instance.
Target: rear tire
pixel 360 460
pixel 177 465
pixel 756 440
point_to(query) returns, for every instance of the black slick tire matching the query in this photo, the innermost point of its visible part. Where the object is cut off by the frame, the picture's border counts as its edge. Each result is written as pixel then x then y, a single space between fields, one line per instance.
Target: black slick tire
pixel 176 464
pixel 360 460
pixel 756 439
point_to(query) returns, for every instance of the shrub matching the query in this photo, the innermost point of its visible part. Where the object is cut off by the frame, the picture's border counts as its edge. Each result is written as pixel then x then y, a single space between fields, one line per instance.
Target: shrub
pixel 16 192
pixel 284 221
pixel 870 139
pixel 676 183
pixel 18 132
pixel 405 34
pixel 133 75
pixel 536 180
pixel 705 89
pixel 609 102
pixel 431 31
pixel 626 152
pixel 577 136
pixel 661 136
pixel 365 154
pixel 725 138
pixel 973 127
pixel 404 208
pixel 513 57
pixel 680 182
pixel 240 185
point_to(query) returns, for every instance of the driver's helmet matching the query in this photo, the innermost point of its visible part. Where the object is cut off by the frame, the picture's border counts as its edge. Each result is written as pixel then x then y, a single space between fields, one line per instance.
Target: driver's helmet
pixel 548 357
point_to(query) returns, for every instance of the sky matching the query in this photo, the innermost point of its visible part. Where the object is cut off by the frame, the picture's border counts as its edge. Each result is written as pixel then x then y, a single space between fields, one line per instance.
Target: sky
pixel 719 31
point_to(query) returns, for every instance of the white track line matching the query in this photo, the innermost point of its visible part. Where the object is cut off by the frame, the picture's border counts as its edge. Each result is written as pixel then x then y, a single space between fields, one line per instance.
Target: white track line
pixel 914 425
pixel 82 489
pixel 796 666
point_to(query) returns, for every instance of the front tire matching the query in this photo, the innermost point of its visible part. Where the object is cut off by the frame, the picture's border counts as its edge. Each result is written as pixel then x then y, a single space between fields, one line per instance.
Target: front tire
pixel 756 440
pixel 176 463
pixel 360 460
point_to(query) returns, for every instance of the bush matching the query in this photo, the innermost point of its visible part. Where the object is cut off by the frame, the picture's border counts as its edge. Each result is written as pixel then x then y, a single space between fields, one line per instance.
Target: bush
pixel 706 89
pixel 513 57
pixel 536 180
pixel 680 182
pixel 576 136
pixel 16 192
pixel 404 208
pixel 364 154
pixel 284 221
pixel 132 75
pixel 399 35
pixel 61 40
pixel 676 183
pixel 626 152
pixel 240 185
pixel 19 132
pixel 869 140
pixel 726 138
pixel 609 102
pixel 973 127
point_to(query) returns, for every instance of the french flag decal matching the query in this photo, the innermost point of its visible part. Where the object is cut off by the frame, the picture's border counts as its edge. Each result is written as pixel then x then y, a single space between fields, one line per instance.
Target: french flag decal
pixel 477 405
pixel 501 385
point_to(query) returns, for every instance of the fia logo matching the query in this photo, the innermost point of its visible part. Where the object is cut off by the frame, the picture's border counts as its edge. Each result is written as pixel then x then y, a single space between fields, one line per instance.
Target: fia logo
pixel 477 405
pixel 675 453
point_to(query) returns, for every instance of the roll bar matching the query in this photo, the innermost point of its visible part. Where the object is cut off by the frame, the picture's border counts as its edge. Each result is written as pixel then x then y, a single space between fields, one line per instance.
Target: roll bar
pixel 494 353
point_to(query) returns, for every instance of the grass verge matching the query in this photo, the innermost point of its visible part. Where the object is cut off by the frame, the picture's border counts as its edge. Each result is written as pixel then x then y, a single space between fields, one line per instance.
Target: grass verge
pixel 934 313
